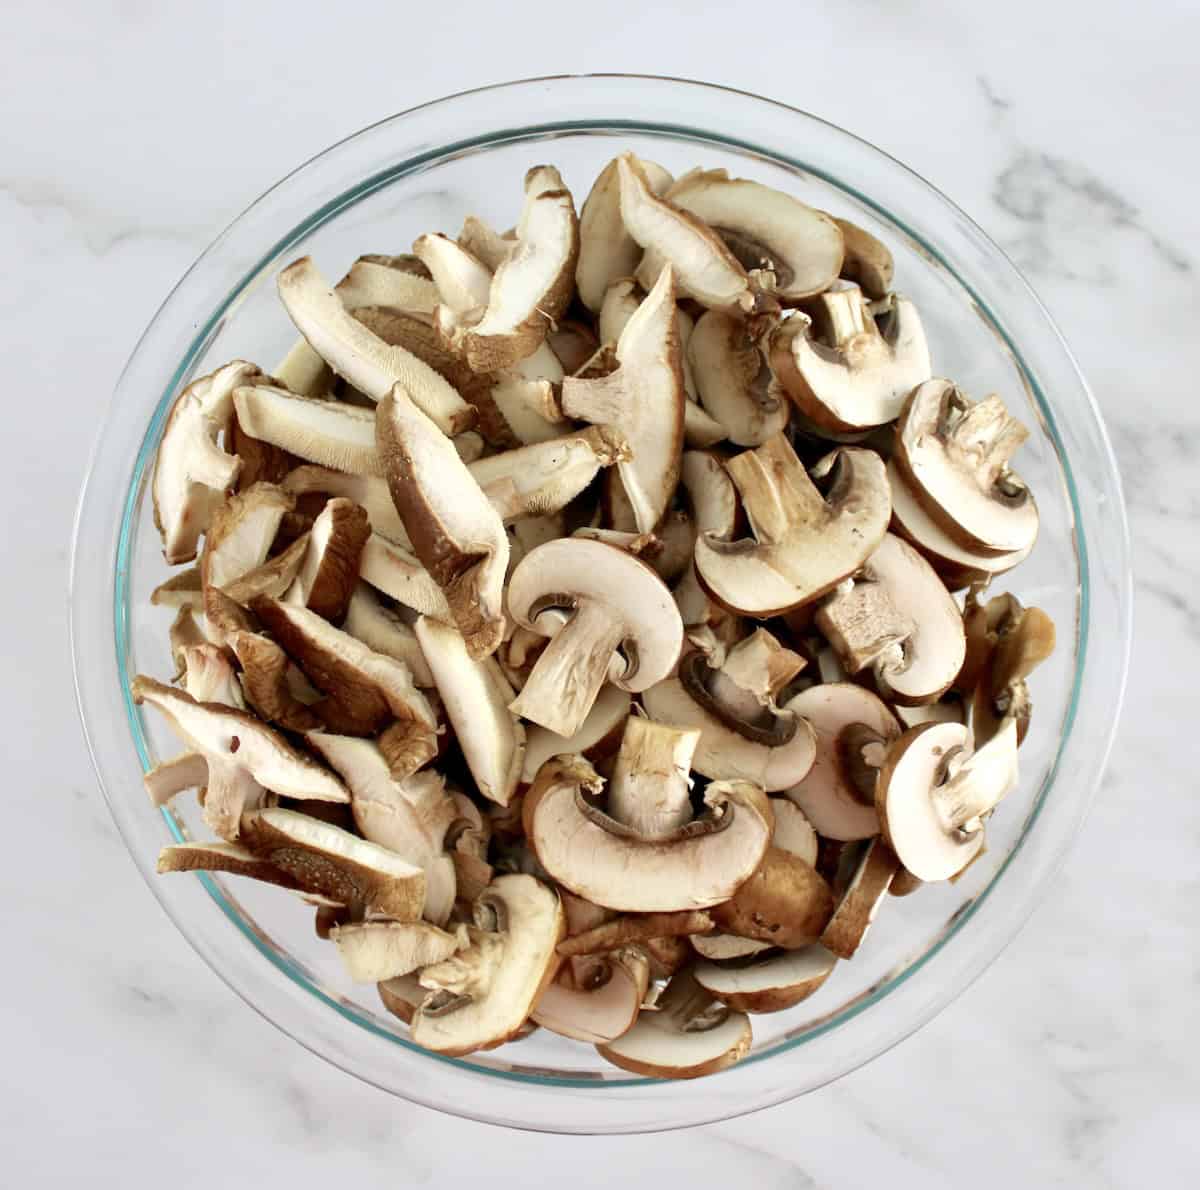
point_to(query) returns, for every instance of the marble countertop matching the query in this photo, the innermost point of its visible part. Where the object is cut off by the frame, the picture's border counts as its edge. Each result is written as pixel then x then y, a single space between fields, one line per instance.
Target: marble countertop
pixel 133 131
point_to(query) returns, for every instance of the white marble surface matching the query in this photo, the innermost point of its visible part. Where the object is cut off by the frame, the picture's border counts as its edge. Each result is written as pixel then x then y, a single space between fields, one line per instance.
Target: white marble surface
pixel 132 131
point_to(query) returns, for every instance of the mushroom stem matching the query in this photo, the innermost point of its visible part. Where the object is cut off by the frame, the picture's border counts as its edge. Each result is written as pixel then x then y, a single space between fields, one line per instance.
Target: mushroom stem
pixel 978 784
pixel 776 490
pixel 650 788
pixel 986 432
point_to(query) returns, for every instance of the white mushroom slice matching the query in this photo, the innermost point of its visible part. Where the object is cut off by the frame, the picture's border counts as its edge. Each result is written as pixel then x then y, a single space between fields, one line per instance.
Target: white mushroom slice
pixel 362 358
pixel 180 590
pixel 241 532
pixel 483 995
pixel 733 380
pixel 841 369
pixel 373 951
pixel 868 261
pixel 827 795
pixel 380 282
pixel 396 572
pixel 590 853
pixel 598 736
pixel 689 1035
pixel 768 985
pixel 333 863
pixel 303 371
pixel 189 770
pixel 209 676
pixel 483 242
pixel 795 250
pixel 329 573
pixel 531 288
pixel 804 543
pixel 331 433
pixel 244 756
pixel 454 529
pixel 721 948
pixel 370 491
pixel 191 472
pixel 650 789
pixel 600 1006
pixel 860 902
pixel 543 478
pixel 615 601
pixel 227 858
pixel 786 902
pixel 621 301
pixel 643 398
pixel 476 697
pixel 956 453
pixel 793 832
pixel 463 283
pixel 383 631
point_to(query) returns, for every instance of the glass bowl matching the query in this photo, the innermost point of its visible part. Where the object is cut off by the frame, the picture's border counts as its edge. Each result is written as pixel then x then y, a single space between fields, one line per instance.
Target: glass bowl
pixel 426 169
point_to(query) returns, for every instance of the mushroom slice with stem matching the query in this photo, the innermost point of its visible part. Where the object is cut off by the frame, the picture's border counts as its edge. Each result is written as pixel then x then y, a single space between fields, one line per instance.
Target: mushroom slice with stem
pixel 324 859
pixel 209 676
pixel 828 795
pixel 896 616
pixel 398 572
pixel 463 282
pixel 858 905
pixel 805 543
pixel 402 996
pixel 614 601
pixel 532 286
pixel 644 398
pixel 191 472
pixel 244 756
pixel 373 951
pixel 650 788
pixel 955 453
pixel 362 358
pixel 703 863
pixel 598 737
pixel 369 491
pixel 868 261
pixel 476 696
pixel 227 858
pixel 482 995
pixel 329 573
pixel 261 461
pixel 184 633
pixel 240 535
pixel 792 249
pixel 635 928
pixel 455 531
pixel 485 243
pixel 382 630
pixel 841 369
pixel 188 770
pixel 770 984
pixel 601 1004
pixel 689 1035
pixel 786 902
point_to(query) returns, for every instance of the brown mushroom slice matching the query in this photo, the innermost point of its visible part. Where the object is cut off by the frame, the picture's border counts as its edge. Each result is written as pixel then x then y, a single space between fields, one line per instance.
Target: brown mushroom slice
pixel 329 573
pixel 827 795
pixel 273 577
pixel 532 286
pixel 463 283
pixel 402 996
pixel 950 709
pixel 268 683
pixel 734 383
pixel 386 282
pixel 600 1007
pixel 771 984
pixel 786 902
pixel 327 860
pixel 188 770
pixel 362 358
pixel 397 572
pixel 955 453
pixel 330 433
pixel 370 491
pixel 303 371
pixel 180 590
pixel 383 631
pixel 650 788
pixel 483 995
pixel 544 477
pixel 614 601
pixel 720 948
pixel 841 369
pixel 860 902
pixel 573 343
pixel 468 840
pixel 455 531
pixel 476 696
pixel 616 932
pixel 644 399
pixel 191 472
pixel 184 633
pixel 689 1035
pixel 793 832
pixel 209 676
pixel 241 533
pixel 485 243
pixel 868 261
pixel 597 858
pixel 599 735
pixel 227 858
pixel 373 951
pixel 795 250
pixel 804 543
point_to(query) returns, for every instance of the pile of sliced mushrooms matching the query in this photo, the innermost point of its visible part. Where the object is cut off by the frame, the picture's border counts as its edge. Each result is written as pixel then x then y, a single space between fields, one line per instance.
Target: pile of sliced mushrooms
pixel 574 622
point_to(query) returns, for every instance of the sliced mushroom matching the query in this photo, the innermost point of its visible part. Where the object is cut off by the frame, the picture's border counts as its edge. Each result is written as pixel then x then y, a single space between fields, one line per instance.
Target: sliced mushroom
pixel 645 399
pixel 383 631
pixel 1021 639
pixel 462 281
pixel 955 453
pixel 209 676
pixel 573 343
pixel 598 737
pixel 856 910
pixel 402 996
pixel 593 855
pixel 267 681
pixel 227 858
pixel 616 932
pixel 183 634
pixel 468 840
pixel 769 984
pixel 650 788
pixel 387 282
pixel 793 832
pixel 868 261
pixel 714 504
pixel 454 529
pixel 785 902
pixel 476 697
pixel 188 770
pixel 482 995
pixel 303 371
pixel 180 590
pixel 369 491
pixel 614 601
pixel 273 577
pixel 191 472
pixel 844 372
pixel 725 947
pixel 486 244
pixel 397 572
pixel 805 543
pixel 373 951
pixel 602 1005
pixel 329 574
pixel 241 532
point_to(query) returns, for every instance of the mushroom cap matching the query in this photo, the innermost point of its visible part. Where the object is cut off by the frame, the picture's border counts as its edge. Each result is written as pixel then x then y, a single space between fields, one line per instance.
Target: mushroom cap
pixel 329 572
pixel 373 951
pixel 601 1013
pixel 769 984
pixel 859 903
pixel 786 903
pixel 598 737
pixel 868 261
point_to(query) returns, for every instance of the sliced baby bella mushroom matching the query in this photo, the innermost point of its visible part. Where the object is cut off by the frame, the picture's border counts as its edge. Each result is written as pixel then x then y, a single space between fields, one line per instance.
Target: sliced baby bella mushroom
pixel 725 947
pixel 644 399
pixel 227 858
pixel 897 617
pixel 369 491
pixel 323 859
pixel 373 951
pixel 844 372
pixel 387 282
pixel 949 709
pixel 932 797
pixel 273 577
pixel 1022 639
pixel 593 855
pixel 462 281
pixel 689 1035
pixel 267 681
pixel 805 542
pixel 402 996
pixel 868 261
pixel 598 737
pixel 382 630
pixel 614 601
pixel 793 832
pixel 362 358
pixel 483 995
pixel 635 928
pixel 650 788
pixel 955 453
pixel 329 573
pixel 468 840
pixel 455 531
pixel 858 905
pixel 244 756
pixel 769 984
pixel 532 286
pixel 398 572
pixel 827 795
pixel 191 472
pixel 785 902
pixel 188 770
pixel 180 590
pixel 793 250
pixel 600 1004
pixel 241 533
pixel 209 676
pixel 733 380
pixel 476 696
